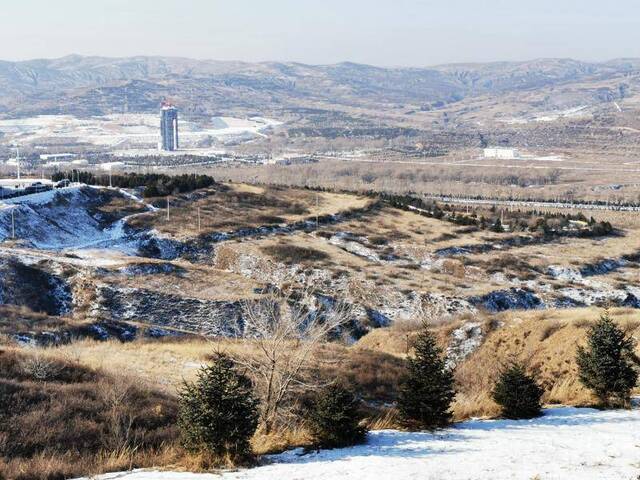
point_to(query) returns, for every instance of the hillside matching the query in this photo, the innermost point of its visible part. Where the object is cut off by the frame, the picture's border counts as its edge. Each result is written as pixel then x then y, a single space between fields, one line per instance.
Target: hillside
pixel 99 284
pixel 95 85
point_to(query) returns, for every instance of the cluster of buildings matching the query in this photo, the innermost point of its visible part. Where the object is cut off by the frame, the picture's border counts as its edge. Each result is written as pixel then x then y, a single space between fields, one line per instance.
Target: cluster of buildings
pixel 169 142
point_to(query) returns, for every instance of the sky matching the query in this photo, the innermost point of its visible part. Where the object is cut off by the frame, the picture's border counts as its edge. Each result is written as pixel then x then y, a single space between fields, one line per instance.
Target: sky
pixel 377 32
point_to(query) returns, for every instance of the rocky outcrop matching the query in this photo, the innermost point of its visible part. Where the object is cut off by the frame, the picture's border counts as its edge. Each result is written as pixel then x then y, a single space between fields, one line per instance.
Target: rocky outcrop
pixel 100 331
pixel 36 286
pixel 463 342
pixel 195 315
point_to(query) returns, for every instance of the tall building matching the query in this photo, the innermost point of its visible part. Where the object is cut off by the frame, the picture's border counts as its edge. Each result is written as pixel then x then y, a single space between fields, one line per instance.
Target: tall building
pixel 169 127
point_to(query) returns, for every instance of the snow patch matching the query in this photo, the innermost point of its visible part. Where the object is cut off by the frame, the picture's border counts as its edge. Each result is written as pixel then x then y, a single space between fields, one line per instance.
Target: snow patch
pixel 565 444
pixel 464 341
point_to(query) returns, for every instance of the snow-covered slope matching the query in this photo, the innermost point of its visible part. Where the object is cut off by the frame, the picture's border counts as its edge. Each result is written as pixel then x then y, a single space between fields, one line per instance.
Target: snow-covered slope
pixel 61 219
pixel 564 444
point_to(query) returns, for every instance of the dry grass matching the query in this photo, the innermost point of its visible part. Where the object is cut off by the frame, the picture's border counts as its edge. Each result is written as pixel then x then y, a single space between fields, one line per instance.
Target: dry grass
pixel 279 441
pixel 233 207
pixel 14 318
pixel 436 176
pixel 61 419
pixel 91 376
pixel 294 254
pixel 545 341
pixel 164 364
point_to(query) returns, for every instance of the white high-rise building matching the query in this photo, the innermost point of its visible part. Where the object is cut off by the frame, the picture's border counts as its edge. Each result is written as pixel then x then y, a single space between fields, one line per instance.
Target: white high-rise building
pixel 169 127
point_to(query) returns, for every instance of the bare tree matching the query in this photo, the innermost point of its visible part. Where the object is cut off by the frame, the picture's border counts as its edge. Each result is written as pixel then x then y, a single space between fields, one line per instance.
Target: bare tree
pixel 287 331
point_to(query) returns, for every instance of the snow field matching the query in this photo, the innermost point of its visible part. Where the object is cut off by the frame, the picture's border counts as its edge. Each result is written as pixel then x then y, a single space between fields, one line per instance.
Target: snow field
pixel 565 444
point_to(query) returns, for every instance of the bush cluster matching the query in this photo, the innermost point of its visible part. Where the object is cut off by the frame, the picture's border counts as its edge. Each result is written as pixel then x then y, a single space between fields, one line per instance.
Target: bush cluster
pixel 556 224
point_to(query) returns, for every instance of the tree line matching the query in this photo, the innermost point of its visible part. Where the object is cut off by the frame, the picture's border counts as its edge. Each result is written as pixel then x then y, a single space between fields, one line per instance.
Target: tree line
pixel 532 221
pixel 152 184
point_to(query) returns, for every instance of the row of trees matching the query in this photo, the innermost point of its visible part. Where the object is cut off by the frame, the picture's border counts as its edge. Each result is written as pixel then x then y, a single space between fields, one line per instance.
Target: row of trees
pixel 153 184
pixel 220 412
pixel 518 220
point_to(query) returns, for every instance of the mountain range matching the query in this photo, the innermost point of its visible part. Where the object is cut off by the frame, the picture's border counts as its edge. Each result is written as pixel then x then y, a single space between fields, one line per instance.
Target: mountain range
pixel 87 86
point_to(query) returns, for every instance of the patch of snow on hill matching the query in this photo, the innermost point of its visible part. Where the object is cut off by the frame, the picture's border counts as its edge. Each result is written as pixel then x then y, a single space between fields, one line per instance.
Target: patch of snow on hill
pixel 60 220
pixel 464 341
pixel 116 129
pixel 565 444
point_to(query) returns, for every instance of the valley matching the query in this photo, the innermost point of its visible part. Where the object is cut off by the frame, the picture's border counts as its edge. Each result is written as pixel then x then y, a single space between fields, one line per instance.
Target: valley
pixel 312 227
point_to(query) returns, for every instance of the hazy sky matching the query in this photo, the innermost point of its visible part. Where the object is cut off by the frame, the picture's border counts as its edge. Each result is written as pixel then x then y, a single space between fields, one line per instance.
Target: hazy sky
pixel 381 32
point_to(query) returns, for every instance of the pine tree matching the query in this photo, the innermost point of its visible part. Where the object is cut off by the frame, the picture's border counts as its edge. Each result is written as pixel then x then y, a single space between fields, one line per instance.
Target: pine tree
pixel 606 364
pixel 218 413
pixel 427 391
pixel 517 393
pixel 334 418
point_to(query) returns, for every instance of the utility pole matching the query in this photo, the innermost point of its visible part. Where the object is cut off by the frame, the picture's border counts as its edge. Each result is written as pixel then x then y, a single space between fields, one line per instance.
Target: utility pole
pixel 18 160
pixel 168 214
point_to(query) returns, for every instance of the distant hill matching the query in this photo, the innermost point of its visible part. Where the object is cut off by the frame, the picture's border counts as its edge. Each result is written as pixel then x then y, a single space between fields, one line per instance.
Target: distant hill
pixel 96 85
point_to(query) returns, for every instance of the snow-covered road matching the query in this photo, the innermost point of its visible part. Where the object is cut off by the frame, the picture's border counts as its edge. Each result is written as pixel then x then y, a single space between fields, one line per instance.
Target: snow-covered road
pixel 566 443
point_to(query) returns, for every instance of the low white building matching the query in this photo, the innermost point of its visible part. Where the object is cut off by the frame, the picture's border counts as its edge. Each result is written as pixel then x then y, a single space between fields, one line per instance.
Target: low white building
pixel 57 156
pixel 111 166
pixel 66 164
pixel 501 153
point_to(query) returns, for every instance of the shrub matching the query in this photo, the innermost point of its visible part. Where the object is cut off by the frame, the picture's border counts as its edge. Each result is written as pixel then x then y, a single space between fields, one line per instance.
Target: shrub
pixel 218 413
pixel 59 419
pixel 293 254
pixel 517 393
pixel 427 391
pixel 41 368
pixel 334 418
pixel 378 240
pixel 606 364
pixel 497 227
